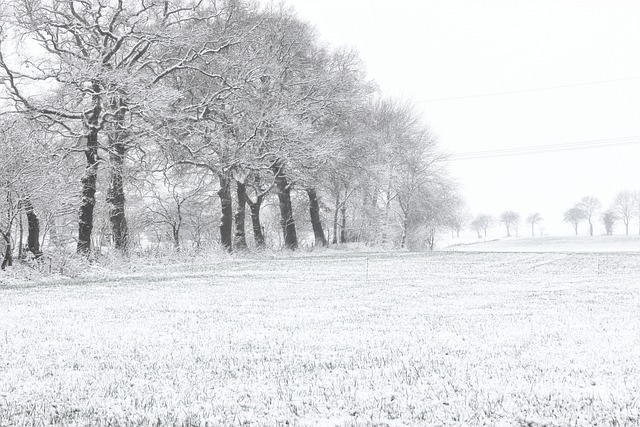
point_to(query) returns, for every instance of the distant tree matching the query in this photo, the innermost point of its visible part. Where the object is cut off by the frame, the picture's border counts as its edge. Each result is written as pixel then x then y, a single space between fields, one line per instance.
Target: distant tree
pixel 481 223
pixel 637 197
pixel 624 207
pixel 510 219
pixel 589 205
pixel 534 219
pixel 459 217
pixel 574 216
pixel 609 219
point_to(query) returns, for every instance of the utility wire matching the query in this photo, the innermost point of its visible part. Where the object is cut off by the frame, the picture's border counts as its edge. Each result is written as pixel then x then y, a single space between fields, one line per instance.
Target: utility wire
pixel 553 148
pixel 508 92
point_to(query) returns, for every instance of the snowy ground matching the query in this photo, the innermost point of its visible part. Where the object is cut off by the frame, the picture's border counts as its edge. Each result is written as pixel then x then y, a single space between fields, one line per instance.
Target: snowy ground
pixel 549 244
pixel 341 339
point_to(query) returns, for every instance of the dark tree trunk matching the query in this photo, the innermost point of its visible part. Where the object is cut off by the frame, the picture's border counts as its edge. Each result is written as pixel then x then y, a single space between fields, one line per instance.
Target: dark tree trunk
pixel 20 233
pixel 33 226
pixel 116 198
pixel 115 193
pixel 403 240
pixel 90 176
pixel 254 207
pixel 343 226
pixel 8 255
pixel 316 224
pixel 286 211
pixel 240 240
pixel 88 181
pixel 226 205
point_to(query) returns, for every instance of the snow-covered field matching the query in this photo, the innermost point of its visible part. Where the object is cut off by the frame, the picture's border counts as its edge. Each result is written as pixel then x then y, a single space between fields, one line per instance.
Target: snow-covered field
pixel 580 244
pixel 340 339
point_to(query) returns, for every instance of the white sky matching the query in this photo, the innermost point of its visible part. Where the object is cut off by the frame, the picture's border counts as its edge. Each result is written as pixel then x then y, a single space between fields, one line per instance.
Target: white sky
pixel 427 50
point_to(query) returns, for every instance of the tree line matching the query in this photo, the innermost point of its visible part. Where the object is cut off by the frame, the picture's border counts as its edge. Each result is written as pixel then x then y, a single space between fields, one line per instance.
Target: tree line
pixel 130 123
pixel 624 208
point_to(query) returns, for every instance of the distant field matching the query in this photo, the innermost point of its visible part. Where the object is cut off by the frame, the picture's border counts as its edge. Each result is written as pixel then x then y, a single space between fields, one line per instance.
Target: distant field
pixel 334 340
pixel 553 244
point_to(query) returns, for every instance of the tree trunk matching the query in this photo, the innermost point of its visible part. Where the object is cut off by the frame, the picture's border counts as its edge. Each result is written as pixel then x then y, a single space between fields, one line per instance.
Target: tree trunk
pixel 226 205
pixel 343 225
pixel 175 234
pixel 8 255
pixel 240 240
pixel 88 192
pixel 335 221
pixel 254 207
pixel 286 211
pixel 590 228
pixel 33 227
pixel 314 212
pixel 20 232
pixel 405 224
pixel 116 198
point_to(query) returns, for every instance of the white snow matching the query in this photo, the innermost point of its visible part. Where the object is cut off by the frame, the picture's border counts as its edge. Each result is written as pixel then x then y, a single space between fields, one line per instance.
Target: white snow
pixel 422 339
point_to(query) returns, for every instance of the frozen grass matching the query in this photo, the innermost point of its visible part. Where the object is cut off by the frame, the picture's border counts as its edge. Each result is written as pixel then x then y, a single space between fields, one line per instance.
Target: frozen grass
pixel 336 340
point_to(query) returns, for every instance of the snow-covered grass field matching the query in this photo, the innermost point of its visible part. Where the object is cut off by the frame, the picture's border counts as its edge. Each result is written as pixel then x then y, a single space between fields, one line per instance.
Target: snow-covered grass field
pixel 339 339
pixel 581 244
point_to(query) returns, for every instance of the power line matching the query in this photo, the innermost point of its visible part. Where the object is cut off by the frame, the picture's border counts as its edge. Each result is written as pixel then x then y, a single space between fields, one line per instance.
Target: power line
pixel 508 92
pixel 553 148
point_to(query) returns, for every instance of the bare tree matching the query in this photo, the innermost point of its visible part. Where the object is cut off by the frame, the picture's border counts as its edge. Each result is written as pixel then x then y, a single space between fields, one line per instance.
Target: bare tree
pixel 609 219
pixel 589 205
pixel 100 69
pixel 459 218
pixel 172 198
pixel 625 205
pixel 481 223
pixel 26 177
pixel 574 216
pixel 510 219
pixel 533 219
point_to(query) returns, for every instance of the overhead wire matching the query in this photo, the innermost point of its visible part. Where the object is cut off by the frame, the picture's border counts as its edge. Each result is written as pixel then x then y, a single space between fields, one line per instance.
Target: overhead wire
pixel 540 149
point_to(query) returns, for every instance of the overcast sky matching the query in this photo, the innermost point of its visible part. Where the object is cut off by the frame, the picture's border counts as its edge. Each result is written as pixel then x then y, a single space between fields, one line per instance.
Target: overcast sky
pixel 508 74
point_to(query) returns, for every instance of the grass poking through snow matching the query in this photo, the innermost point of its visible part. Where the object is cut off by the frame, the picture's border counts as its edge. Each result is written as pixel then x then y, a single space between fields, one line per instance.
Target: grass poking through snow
pixel 379 339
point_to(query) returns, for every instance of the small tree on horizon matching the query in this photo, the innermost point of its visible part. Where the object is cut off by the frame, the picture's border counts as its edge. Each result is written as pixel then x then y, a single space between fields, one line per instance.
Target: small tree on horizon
pixel 459 217
pixel 481 223
pixel 609 219
pixel 574 216
pixel 624 206
pixel 589 205
pixel 534 219
pixel 510 219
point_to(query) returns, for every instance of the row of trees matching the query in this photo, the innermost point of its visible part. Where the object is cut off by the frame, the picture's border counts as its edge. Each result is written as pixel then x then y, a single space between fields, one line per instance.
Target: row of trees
pixel 509 219
pixel 624 208
pixel 130 117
